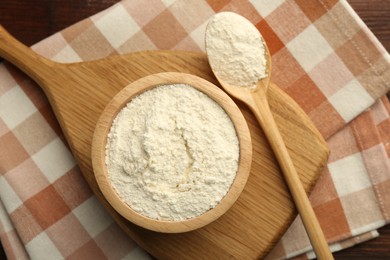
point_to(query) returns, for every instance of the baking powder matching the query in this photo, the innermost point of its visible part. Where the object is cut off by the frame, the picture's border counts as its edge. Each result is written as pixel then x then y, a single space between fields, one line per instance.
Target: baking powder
pixel 235 49
pixel 172 153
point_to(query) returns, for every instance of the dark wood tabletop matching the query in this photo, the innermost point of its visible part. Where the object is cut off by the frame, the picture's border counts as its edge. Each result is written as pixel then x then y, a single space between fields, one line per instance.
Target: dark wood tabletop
pixel 31 21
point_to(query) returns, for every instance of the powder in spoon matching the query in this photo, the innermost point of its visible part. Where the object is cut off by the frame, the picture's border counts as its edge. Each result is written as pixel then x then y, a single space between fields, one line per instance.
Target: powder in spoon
pixel 235 49
pixel 172 153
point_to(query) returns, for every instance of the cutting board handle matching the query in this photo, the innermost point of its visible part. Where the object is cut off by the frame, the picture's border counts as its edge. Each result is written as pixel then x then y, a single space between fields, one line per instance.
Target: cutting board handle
pixel 31 63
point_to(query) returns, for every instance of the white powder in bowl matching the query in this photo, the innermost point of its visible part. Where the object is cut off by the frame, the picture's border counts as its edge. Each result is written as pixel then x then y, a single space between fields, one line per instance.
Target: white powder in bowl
pixel 172 153
pixel 235 49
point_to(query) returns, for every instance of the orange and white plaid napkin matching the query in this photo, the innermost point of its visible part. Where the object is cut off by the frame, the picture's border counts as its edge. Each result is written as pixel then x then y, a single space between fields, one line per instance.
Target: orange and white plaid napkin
pixel 323 56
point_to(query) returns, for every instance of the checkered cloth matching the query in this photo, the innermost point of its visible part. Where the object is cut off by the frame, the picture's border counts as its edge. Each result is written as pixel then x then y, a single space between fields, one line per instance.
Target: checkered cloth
pixel 323 56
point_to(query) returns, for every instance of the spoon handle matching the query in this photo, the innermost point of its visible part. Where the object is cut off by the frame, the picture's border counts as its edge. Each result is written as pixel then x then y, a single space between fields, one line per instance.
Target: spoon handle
pixel 31 63
pixel 261 110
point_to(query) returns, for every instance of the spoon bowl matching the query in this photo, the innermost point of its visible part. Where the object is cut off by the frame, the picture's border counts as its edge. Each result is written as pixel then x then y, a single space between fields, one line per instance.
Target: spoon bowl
pixel 245 94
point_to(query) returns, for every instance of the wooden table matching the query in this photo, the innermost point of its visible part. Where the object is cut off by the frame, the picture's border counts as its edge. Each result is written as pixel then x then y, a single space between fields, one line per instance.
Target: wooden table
pixel 31 21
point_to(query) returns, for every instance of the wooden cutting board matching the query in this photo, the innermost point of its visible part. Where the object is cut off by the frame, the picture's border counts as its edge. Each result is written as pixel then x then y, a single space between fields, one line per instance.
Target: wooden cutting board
pixel 78 94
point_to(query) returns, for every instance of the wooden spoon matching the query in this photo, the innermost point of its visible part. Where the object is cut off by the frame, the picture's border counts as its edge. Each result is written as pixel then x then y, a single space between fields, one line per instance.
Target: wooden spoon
pixel 256 98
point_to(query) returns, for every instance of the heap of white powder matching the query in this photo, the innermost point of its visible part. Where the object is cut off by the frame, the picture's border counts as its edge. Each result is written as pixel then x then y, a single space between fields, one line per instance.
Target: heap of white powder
pixel 235 49
pixel 172 153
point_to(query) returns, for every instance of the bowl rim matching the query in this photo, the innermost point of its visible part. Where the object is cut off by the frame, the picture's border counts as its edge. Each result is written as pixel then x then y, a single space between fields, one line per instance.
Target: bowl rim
pixel 103 127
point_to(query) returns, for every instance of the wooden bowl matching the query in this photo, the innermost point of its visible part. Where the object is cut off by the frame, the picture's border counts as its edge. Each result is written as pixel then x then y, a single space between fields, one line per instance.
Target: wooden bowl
pixel 103 127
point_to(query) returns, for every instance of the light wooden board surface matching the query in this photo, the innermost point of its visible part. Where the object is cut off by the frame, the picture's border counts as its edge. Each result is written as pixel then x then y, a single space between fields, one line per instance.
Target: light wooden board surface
pixel 78 94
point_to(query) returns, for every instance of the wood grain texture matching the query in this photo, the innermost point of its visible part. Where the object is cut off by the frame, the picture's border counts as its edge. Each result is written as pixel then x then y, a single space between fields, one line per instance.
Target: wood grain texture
pixel 263 211
pixel 375 14
pixel 31 21
pixel 126 95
